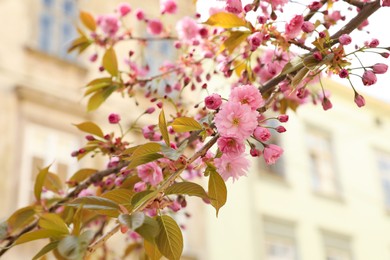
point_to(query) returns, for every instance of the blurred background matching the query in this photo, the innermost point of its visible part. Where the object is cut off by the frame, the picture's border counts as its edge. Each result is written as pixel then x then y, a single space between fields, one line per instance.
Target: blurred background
pixel 327 198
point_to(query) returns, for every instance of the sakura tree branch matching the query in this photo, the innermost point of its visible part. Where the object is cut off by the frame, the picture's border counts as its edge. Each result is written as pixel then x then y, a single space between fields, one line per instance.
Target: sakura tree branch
pixel 357 3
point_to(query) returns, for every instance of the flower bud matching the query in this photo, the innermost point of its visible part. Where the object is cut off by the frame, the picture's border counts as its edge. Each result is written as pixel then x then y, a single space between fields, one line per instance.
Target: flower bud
pixel 150 110
pixel 379 68
pixel 114 118
pixel 283 118
pixel 308 27
pixel 281 129
pixel 343 73
pixel 345 39
pixel 369 78
pixel 326 104
pixel 374 43
pixel 262 134
pixel 213 101
pixel 124 9
pixel 255 152
pixel 359 100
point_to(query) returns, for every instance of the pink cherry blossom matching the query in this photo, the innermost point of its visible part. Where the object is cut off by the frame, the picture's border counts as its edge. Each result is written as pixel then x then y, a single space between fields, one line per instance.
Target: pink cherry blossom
pixel 187 29
pixel 139 186
pixel 231 145
pixel 213 101
pixel 236 120
pixel 293 28
pixel 139 13
pixel 262 134
pixel 124 9
pixel 150 173
pixel 155 26
pixel 168 6
pixel 232 165
pixel 345 39
pixel 234 6
pixel 277 3
pixel 114 118
pixel 369 78
pixel 386 3
pixel 379 68
pixel 359 100
pixel 247 94
pixel 255 40
pixel 272 153
pixel 308 27
pixel 109 24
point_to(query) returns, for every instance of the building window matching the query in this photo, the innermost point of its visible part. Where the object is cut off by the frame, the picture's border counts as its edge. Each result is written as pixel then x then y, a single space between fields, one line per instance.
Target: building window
pixel 44 146
pixel 321 163
pixel 279 240
pixel 383 164
pixel 56 23
pixel 337 247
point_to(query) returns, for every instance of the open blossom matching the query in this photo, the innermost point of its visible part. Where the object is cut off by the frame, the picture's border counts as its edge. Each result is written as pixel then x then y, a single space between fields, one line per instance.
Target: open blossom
pixel 277 3
pixel 234 6
pixel 231 145
pixel 155 26
pixel 369 78
pixel 168 6
pixel 213 101
pixel 232 165
pixel 293 28
pixel 236 120
pixel 187 29
pixel 255 40
pixel 150 172
pixel 272 153
pixel 247 94
pixel 109 24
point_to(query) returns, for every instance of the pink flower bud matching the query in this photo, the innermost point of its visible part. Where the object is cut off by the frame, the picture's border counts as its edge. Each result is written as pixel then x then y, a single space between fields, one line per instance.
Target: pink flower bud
pixel 326 104
pixel 322 34
pixel 93 57
pixel 343 73
pixel 272 153
pixel 373 43
pixel 139 14
pixel 308 27
pixel 385 54
pixel 155 26
pixel 124 9
pixel 248 8
pixel 281 129
pixel 81 151
pixel 74 153
pixel 345 39
pixel 213 101
pixel 233 6
pixel 255 152
pixel 359 100
pixel 283 118
pixel 140 186
pixel 168 6
pixel 314 6
pixel 255 40
pixel 379 68
pixel 262 134
pixel 150 110
pixel 386 3
pixel 90 138
pixel 114 118
pixel 369 78
pixel 317 55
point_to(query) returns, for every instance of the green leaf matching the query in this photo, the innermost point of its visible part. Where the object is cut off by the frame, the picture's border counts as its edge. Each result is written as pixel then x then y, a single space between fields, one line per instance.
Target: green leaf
pixel 37 234
pixel 163 127
pixel 91 128
pixel 129 249
pixel 46 249
pixel 3 230
pixel 69 248
pixel 53 182
pixel 217 191
pixel 187 188
pixel 80 176
pixel 97 87
pixel 185 124
pixel 234 40
pixel 301 74
pixel 88 20
pixel 292 65
pixel 110 62
pixel 174 154
pixel 170 239
pixel 120 196
pixel 133 221
pixel 151 250
pixel 51 221
pixel 148 148
pixel 81 42
pixel 94 203
pixel 145 153
pixel 22 217
pixel 39 181
pixel 99 81
pixel 99 97
pixel 146 196
pixel 149 229
pixel 226 20
pixel 144 159
pixel 138 196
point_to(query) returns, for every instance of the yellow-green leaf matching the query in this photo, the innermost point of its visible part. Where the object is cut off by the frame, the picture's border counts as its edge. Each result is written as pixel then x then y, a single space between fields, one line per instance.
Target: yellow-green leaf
pixel 187 188
pixel 185 124
pixel 53 182
pixel 129 249
pixel 51 221
pixel 133 221
pixel 301 74
pixel 46 249
pixel 163 127
pixel 145 153
pixel 94 202
pixel 217 190
pixel 80 176
pixel 79 43
pixel 37 234
pixel 21 217
pixel 149 229
pixel 151 250
pixel 120 196
pixel 170 239
pixel 39 181
pixel 99 97
pixel 292 65
pixel 226 20
pixel 110 62
pixel 234 40
pixel 91 128
pixel 88 20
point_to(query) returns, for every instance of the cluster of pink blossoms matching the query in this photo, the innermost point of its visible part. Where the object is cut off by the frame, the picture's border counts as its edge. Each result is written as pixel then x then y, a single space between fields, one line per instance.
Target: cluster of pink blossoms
pixel 236 121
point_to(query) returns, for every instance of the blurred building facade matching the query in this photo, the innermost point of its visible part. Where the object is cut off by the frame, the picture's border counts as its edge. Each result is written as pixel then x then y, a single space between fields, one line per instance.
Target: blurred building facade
pixel 328 198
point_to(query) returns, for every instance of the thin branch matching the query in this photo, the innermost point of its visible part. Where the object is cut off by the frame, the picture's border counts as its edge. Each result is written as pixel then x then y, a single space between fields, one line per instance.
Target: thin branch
pixel 357 3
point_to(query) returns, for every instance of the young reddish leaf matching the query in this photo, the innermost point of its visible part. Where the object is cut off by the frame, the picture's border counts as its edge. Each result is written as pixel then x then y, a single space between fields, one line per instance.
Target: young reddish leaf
pixel 187 188
pixel 39 181
pixel 91 128
pixel 151 250
pixel 226 20
pixel 46 249
pixel 88 20
pixel 80 176
pixel 217 190
pixel 21 218
pixel 53 222
pixel 163 127
pixel 110 62
pixel 37 234
pixel 170 239
pixel 185 124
